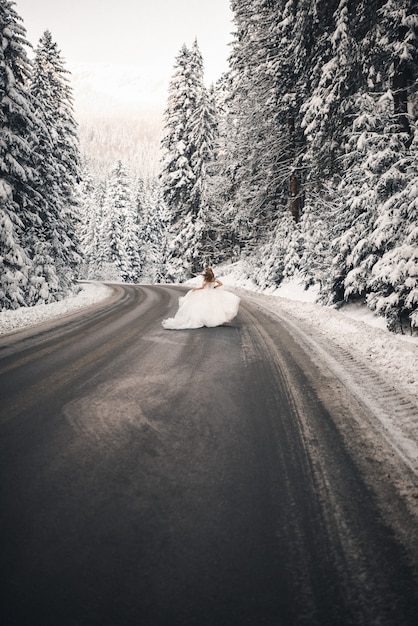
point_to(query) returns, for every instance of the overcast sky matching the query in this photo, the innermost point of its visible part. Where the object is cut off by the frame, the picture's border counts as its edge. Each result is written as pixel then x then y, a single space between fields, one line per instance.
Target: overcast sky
pixel 125 49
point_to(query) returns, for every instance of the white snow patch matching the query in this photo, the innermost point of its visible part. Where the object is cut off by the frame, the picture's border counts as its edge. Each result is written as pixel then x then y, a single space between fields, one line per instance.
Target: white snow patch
pixel 23 317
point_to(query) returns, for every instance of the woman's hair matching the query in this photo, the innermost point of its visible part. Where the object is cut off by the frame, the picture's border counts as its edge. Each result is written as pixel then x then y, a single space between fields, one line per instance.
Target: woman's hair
pixel 208 275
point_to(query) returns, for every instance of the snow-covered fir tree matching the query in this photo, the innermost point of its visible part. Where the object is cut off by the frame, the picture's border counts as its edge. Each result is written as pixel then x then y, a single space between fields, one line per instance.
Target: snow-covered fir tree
pixel 326 110
pixel 91 207
pixel 57 163
pixel 40 170
pixel 261 143
pixel 153 220
pixel 319 118
pixel 204 136
pixel 392 284
pixel 316 224
pixel 101 266
pixel 189 146
pixel 118 233
pixel 177 177
pixel 124 225
pixel 18 143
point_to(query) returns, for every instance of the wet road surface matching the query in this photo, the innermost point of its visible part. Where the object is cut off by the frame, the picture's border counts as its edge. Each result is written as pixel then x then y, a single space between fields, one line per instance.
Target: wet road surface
pixel 154 477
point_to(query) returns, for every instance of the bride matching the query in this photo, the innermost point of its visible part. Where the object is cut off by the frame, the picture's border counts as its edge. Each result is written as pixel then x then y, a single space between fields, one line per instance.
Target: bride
pixel 207 305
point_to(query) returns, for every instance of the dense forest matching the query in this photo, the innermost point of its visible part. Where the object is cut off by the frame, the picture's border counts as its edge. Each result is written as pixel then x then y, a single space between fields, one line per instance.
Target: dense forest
pixel 301 161
pixel 40 171
pixel 321 144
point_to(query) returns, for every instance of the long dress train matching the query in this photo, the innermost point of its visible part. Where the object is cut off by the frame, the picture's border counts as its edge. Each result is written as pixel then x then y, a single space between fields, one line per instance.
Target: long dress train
pixel 205 307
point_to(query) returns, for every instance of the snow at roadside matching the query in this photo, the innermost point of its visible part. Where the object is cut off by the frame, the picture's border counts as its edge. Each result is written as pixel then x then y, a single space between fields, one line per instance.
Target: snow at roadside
pixel 89 294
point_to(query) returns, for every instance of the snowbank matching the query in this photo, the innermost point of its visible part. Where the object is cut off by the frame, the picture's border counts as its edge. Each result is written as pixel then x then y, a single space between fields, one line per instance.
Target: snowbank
pixel 89 294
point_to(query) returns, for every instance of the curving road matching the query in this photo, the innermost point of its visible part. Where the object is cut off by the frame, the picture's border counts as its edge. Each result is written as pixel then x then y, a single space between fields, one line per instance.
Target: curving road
pixel 176 478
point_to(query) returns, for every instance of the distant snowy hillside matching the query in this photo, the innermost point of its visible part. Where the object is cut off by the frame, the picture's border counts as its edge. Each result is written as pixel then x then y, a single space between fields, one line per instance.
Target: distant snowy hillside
pixel 119 113
pixel 116 89
pixel 131 138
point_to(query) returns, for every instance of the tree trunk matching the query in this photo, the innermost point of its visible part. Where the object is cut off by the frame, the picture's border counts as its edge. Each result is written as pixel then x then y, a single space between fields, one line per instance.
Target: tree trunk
pixel 400 97
pixel 293 182
pixel 294 197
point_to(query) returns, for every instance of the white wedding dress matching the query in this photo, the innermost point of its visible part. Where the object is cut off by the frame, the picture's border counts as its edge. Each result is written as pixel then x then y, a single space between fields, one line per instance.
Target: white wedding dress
pixel 205 307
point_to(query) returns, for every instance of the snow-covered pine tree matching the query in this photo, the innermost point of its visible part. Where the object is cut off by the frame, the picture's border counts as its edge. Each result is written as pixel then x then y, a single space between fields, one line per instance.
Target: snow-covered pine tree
pixel 177 178
pixel 374 247
pixel 376 212
pixel 264 140
pixel 223 225
pixel 153 231
pixel 317 227
pixel 394 280
pixel 335 64
pixel 204 135
pixel 392 284
pixel 396 52
pixel 18 142
pixel 355 202
pixel 131 240
pixel 118 229
pixel 103 250
pixel 298 37
pixel 278 258
pixel 327 109
pixel 89 225
pixel 58 170
pixel 188 142
pixel 249 126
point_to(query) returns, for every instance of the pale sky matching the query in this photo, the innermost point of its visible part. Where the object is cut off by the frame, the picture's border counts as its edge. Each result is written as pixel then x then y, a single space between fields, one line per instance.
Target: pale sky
pixel 122 52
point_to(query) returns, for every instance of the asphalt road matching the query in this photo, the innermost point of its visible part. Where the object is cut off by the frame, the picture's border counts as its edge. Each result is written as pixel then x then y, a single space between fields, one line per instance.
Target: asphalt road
pixel 175 478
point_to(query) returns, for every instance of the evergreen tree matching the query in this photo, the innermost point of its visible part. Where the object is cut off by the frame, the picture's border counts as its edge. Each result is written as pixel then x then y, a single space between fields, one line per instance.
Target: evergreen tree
pixel 327 110
pixel 376 233
pixel 89 225
pixel 131 241
pixel 152 230
pixel 177 176
pixel 58 166
pixel 392 284
pixel 278 258
pixel 268 73
pixel 18 143
pixel 320 118
pixel 103 249
pixel 396 53
pixel 204 135
pixel 317 228
pixel 118 227
pixel 189 146
pixel 357 202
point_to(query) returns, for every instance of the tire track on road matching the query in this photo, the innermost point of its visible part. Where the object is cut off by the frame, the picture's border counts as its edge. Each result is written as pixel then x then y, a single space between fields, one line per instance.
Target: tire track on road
pixel 390 410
